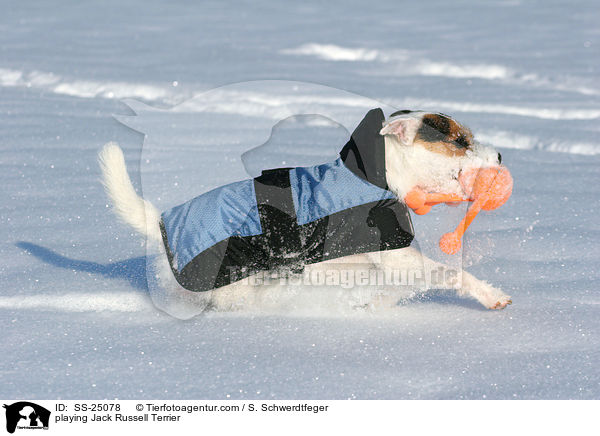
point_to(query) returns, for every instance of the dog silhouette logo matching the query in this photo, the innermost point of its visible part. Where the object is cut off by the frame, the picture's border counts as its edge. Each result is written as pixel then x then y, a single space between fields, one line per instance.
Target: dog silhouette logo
pixel 26 415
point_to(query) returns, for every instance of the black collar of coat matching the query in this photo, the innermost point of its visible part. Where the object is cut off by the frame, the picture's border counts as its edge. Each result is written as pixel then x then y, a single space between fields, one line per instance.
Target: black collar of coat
pixel 364 153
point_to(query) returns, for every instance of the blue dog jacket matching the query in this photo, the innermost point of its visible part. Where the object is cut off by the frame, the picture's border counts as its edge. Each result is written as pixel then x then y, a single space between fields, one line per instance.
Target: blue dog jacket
pixel 289 217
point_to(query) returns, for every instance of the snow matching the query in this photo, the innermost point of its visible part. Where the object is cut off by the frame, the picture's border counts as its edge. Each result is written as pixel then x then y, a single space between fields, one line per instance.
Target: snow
pixel 74 307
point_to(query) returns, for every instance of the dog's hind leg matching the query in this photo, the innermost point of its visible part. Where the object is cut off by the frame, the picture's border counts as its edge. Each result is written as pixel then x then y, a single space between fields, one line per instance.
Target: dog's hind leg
pixel 166 293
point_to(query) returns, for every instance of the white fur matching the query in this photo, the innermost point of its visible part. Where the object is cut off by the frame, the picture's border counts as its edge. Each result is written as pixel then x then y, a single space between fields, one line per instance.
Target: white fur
pixel 411 259
pixel 406 167
pixel 129 207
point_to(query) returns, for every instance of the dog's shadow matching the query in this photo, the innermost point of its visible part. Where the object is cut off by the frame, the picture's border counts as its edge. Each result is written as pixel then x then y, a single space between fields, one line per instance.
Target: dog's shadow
pixel 132 270
pixel 443 297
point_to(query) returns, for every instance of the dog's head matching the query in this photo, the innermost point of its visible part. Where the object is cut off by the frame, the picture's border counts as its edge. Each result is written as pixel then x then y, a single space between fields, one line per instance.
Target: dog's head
pixel 431 150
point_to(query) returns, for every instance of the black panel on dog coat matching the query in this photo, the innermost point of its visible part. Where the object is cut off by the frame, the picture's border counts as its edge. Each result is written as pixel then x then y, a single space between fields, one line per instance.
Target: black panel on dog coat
pixel 289 217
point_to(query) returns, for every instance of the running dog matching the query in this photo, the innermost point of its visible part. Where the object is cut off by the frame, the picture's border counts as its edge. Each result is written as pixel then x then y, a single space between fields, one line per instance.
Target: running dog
pixel 346 212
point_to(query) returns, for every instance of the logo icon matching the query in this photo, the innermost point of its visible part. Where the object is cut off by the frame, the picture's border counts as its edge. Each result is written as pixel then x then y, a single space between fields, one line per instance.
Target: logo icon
pixel 26 415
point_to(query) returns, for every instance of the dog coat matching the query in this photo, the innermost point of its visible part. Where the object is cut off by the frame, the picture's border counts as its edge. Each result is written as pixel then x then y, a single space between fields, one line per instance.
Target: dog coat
pixel 289 217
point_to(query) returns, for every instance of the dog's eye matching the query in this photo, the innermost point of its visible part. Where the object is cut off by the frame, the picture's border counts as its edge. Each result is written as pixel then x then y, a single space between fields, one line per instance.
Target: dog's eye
pixel 462 142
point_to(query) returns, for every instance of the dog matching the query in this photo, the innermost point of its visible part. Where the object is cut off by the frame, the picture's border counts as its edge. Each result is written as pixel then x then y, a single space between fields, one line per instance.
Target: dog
pixel 346 212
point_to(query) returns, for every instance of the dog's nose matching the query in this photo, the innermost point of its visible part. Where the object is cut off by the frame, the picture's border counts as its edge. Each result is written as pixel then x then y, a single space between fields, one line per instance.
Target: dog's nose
pixel 499 158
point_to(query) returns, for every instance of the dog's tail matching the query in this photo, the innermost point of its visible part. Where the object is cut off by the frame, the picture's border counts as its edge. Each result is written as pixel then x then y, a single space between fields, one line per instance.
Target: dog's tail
pixel 129 207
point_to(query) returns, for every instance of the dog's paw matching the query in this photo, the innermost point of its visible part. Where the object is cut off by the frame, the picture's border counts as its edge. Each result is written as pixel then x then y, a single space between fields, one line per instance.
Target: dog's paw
pixel 501 303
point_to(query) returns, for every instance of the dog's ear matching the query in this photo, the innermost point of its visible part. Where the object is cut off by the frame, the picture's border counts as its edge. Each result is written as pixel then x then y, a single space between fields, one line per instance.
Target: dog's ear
pixel 404 129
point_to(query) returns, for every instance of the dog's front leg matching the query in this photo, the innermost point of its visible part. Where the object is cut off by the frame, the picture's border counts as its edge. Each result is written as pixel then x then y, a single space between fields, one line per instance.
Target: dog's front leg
pixel 434 275
pixel 488 295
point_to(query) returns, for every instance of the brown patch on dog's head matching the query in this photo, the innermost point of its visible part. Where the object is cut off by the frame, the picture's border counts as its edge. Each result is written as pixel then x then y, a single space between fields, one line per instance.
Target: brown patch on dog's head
pixel 441 134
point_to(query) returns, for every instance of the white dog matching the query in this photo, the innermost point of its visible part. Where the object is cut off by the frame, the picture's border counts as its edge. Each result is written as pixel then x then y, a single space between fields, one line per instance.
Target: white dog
pixel 418 149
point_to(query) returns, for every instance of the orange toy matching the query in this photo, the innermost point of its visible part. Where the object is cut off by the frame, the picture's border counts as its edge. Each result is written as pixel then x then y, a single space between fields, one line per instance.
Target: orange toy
pixel 487 188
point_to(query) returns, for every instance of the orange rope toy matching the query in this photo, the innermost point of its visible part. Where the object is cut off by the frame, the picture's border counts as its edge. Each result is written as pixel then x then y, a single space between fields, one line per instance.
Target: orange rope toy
pixel 487 188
